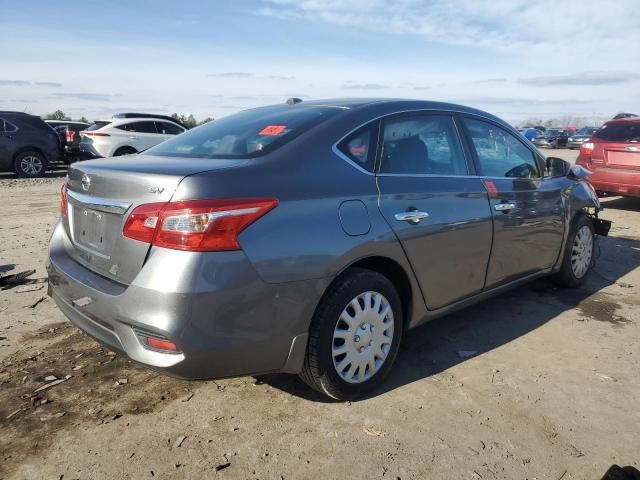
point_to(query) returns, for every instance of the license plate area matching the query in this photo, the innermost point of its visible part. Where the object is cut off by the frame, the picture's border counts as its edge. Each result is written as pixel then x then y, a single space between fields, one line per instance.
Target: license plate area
pixel 91 228
pixel 624 159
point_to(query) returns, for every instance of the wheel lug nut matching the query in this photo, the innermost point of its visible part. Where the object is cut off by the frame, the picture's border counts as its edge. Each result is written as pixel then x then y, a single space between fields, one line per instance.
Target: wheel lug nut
pixel 356 338
pixel 361 349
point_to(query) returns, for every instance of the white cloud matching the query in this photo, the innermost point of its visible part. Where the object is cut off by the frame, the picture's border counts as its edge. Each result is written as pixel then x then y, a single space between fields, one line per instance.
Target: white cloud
pixel 541 26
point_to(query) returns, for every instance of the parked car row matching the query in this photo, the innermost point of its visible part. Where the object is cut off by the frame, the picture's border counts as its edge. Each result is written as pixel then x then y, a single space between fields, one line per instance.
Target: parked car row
pixel 552 138
pixel 29 144
pixel 569 137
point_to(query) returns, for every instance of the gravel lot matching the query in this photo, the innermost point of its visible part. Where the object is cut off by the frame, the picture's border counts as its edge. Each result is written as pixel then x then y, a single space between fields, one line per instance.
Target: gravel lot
pixel 551 393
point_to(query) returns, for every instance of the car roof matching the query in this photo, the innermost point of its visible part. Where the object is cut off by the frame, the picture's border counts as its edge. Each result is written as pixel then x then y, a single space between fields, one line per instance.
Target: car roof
pixel 356 103
pixel 622 121
pixel 66 121
pixel 122 121
pixel 385 106
pixel 7 113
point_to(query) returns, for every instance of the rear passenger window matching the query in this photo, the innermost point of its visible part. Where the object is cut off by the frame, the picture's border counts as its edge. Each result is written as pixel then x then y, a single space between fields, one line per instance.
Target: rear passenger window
pixel 167 128
pixel 422 144
pixel 500 154
pixel 140 127
pixel 359 148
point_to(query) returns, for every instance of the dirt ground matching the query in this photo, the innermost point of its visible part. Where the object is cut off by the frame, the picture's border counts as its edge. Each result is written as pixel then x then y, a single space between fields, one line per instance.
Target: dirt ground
pixel 551 391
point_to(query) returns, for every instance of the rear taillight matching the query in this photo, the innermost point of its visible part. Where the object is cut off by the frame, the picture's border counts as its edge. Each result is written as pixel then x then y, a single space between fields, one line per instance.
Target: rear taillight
pixel 95 134
pixel 70 135
pixel 64 205
pixel 196 225
pixel 587 148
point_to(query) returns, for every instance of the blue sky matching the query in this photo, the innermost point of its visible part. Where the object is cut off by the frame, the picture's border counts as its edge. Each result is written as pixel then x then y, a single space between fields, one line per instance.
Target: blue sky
pixel 516 58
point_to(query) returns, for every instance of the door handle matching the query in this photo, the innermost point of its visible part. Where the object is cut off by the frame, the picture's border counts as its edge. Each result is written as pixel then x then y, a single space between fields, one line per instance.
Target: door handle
pixel 504 207
pixel 412 216
pixel 133 137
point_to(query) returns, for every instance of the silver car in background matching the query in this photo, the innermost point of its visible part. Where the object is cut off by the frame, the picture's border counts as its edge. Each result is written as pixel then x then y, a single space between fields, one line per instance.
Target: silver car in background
pixel 309 238
pixel 578 138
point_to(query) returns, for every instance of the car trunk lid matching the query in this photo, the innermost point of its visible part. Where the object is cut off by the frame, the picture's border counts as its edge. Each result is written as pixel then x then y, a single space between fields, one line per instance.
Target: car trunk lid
pixel 102 193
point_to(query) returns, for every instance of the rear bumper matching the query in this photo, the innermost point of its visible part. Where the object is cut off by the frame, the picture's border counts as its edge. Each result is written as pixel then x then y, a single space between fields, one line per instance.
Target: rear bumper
pixel 88 152
pixel 224 319
pixel 618 181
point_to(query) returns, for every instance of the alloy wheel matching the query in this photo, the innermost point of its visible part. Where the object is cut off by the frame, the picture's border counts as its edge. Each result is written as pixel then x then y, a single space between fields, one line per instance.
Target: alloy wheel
pixel 31 165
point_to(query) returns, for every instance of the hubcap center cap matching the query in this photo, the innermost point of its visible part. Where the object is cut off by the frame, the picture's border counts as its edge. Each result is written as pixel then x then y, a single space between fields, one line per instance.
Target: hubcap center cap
pixel 363 336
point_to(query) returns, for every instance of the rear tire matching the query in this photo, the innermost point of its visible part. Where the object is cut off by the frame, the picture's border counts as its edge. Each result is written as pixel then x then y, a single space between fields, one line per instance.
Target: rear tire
pixel 578 253
pixel 354 336
pixel 30 164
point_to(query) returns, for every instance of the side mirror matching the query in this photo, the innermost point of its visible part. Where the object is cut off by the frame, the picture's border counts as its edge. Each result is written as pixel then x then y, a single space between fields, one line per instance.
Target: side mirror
pixel 557 167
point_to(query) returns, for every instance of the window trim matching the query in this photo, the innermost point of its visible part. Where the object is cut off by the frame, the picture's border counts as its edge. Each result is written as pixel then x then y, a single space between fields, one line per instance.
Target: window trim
pixel 456 114
pixel 374 131
pixel 434 112
pixel 535 154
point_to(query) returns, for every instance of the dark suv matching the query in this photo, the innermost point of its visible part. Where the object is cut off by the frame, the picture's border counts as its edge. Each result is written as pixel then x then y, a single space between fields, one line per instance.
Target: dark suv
pixel 27 144
pixel 71 136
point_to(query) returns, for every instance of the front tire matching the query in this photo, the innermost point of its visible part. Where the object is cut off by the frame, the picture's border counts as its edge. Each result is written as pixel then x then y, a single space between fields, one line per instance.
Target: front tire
pixel 30 165
pixel 354 336
pixel 578 255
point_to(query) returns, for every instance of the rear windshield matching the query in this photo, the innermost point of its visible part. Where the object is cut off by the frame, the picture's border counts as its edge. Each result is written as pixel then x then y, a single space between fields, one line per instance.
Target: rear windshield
pixel 619 132
pixel 247 134
pixel 97 125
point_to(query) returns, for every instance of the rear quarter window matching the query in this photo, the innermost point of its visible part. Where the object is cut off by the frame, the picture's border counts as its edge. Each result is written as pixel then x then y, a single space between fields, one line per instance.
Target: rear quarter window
pixel 359 147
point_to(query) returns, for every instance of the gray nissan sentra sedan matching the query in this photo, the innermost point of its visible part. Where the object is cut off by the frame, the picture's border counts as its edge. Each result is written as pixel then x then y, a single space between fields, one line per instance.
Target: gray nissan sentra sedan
pixel 310 238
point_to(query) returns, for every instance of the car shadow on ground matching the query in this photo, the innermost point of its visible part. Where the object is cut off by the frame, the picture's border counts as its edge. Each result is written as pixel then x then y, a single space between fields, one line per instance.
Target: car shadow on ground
pixel 628 204
pixel 445 342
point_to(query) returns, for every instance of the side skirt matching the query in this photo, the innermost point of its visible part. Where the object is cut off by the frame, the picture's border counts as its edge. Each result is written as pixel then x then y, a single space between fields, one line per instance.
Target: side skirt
pixel 432 315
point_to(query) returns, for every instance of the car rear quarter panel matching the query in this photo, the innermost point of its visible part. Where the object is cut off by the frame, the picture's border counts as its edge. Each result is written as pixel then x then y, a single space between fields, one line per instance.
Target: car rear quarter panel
pixel 303 238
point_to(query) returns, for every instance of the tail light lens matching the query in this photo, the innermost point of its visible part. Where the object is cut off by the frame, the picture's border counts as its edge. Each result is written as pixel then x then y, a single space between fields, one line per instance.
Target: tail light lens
pixel 587 148
pixel 64 205
pixel 95 134
pixel 196 225
pixel 70 135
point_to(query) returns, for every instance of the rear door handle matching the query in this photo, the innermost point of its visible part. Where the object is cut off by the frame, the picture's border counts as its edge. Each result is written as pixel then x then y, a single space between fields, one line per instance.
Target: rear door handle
pixel 412 216
pixel 504 207
pixel 133 137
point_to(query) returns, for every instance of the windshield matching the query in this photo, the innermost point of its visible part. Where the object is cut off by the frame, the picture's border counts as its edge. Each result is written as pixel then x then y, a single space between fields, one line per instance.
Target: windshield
pixel 586 131
pixel 247 134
